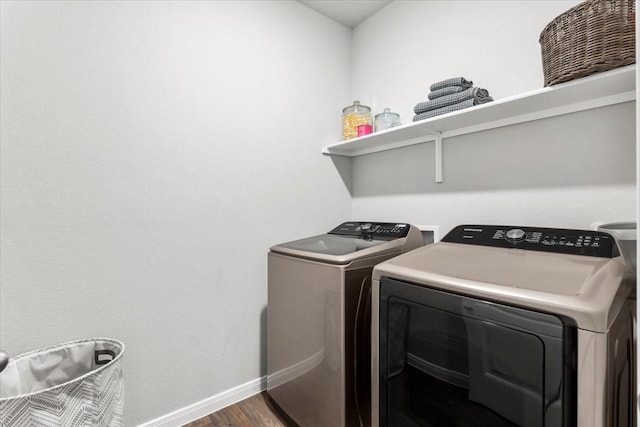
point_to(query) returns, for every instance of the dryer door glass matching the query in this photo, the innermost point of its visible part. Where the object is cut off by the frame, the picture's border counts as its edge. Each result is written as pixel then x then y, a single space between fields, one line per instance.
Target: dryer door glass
pixel 451 360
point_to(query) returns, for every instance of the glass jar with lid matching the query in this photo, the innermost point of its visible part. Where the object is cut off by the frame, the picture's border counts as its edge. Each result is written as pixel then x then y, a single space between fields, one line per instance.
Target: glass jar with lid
pixel 354 116
pixel 386 120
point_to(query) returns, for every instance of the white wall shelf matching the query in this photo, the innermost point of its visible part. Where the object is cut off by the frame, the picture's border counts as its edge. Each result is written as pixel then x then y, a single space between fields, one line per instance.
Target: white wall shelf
pixel 598 90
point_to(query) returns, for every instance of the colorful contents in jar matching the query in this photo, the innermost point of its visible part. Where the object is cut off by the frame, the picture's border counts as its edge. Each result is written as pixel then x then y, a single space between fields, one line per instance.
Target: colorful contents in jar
pixel 364 130
pixel 353 116
pixel 350 123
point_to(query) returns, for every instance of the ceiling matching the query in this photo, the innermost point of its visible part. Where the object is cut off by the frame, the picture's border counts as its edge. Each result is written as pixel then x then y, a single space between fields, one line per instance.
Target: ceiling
pixel 347 12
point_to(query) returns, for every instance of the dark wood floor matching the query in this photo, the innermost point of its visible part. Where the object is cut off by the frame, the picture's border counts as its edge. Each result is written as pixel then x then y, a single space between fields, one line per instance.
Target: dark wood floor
pixel 255 411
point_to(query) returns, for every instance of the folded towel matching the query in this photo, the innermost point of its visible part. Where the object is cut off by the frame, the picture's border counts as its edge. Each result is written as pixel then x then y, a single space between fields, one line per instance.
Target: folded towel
pixel 455 81
pixel 475 93
pixel 449 108
pixel 446 91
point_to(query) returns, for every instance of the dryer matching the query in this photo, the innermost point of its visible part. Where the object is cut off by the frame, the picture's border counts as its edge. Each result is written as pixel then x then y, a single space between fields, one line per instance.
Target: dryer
pixel 505 326
pixel 319 320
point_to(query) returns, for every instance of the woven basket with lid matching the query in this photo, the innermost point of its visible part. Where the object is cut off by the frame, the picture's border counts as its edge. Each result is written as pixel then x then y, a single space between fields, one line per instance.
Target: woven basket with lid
pixel 594 36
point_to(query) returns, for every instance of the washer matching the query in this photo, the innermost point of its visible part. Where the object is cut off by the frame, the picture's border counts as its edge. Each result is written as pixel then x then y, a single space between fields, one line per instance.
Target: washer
pixel 505 326
pixel 319 320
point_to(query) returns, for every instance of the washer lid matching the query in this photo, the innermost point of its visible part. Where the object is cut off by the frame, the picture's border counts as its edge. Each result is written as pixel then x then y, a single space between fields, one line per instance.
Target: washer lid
pixel 329 244
pixel 350 241
pixel 587 289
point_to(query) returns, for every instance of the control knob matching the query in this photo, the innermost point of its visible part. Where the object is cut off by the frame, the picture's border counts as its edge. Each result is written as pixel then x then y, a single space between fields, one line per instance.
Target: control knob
pixel 515 235
pixel 367 231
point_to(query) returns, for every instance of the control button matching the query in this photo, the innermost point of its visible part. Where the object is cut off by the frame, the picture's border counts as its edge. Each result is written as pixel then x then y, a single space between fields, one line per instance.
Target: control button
pixel 515 235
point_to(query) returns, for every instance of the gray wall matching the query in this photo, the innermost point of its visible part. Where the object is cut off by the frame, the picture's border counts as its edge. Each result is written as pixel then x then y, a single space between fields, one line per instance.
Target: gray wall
pixel 151 154
pixel 568 171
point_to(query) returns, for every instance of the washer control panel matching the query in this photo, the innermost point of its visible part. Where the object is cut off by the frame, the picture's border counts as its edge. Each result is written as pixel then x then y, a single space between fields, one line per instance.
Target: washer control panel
pixel 372 230
pixel 565 241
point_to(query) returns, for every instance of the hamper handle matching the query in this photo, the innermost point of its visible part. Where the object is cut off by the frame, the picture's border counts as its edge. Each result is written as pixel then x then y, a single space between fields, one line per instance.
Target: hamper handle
pixel 101 361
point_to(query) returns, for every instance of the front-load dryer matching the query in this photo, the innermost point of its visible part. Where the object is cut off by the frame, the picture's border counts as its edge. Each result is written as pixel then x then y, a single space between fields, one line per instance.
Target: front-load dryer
pixel 505 326
pixel 319 320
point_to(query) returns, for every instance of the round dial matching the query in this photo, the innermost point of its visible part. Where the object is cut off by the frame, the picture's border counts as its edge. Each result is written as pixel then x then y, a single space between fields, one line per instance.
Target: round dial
pixel 515 235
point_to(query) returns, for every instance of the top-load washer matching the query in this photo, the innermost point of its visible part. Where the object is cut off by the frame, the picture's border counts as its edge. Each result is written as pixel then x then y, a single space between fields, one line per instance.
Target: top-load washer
pixel 319 312
pixel 505 326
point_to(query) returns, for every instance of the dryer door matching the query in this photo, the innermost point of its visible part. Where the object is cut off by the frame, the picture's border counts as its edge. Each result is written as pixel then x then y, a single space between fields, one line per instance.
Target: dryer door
pixel 447 359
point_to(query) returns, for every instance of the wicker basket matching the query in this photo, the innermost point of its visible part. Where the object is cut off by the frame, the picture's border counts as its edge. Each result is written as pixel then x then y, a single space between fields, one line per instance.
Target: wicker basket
pixel 594 36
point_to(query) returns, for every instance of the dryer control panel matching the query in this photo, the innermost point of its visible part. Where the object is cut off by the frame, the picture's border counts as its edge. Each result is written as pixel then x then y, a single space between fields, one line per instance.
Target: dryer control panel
pixel 558 240
pixel 372 230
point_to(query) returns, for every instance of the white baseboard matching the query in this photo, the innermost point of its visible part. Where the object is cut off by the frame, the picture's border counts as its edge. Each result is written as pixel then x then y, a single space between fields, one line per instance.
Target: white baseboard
pixel 209 405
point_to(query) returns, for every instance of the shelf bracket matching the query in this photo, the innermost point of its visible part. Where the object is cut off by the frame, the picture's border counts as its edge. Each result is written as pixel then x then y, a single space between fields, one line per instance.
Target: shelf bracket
pixel 438 157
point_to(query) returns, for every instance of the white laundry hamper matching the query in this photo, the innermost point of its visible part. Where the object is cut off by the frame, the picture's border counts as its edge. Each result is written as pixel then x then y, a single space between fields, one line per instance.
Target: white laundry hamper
pixel 78 383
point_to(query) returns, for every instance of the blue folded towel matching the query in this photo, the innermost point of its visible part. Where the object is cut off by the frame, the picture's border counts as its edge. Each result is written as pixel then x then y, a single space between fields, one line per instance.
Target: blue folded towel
pixel 454 81
pixel 446 91
pixel 478 94
pixel 449 108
